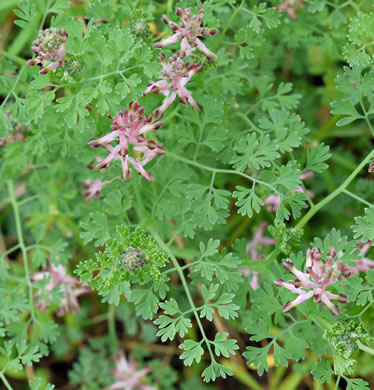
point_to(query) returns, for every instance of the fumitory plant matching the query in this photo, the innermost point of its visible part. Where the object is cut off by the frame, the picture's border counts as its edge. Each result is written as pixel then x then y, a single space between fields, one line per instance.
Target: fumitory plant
pixel 186 194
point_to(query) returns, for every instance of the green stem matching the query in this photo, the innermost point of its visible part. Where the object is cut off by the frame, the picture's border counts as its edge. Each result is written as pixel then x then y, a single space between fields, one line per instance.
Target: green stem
pixel 185 286
pixel 9 251
pixel 354 196
pixel 6 383
pixel 365 348
pixel 218 42
pixel 22 246
pixel 217 170
pixel 13 57
pixel 333 194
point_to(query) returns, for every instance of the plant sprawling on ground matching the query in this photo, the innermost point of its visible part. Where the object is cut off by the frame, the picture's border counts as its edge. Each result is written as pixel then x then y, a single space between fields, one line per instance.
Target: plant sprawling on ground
pixel 186 194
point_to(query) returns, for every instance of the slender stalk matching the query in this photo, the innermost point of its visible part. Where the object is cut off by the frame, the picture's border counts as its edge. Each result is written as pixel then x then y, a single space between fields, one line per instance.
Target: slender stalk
pixel 5 381
pixel 21 244
pixel 354 196
pixel 309 215
pixel 365 348
pixel 13 57
pixel 217 170
pixel 228 24
pixel 185 286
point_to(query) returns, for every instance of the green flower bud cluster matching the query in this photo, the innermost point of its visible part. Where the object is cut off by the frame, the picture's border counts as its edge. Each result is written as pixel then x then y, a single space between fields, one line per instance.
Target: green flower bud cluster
pixel 344 338
pixel 140 28
pixel 133 259
pixel 287 238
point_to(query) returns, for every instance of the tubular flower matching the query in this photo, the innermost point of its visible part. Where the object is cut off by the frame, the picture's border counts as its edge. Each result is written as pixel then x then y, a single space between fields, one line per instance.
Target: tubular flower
pixel 129 128
pixel 314 281
pixel 70 287
pixel 92 188
pixel 252 249
pixel 188 32
pixel 175 75
pixel 50 49
pixel 127 377
pixel 363 264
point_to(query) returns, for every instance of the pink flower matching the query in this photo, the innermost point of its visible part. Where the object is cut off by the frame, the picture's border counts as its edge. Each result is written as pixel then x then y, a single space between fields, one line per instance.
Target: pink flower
pixel 70 287
pixel 273 201
pixel 256 244
pixel 362 265
pixel 50 49
pixel 318 276
pixel 188 32
pixel 128 378
pixel 92 188
pixel 129 128
pixel 175 75
pixel 290 6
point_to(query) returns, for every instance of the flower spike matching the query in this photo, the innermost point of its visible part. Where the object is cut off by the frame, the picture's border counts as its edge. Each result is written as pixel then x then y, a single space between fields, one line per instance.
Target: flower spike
pixel 129 128
pixel 318 276
pixel 175 75
pixel 188 32
pixel 50 49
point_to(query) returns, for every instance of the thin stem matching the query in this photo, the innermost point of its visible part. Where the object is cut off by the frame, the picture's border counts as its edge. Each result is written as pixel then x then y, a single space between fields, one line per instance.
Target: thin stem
pixel 9 251
pixel 218 42
pixel 333 194
pixel 365 348
pixel 337 383
pixel 6 383
pixel 182 268
pixel 13 57
pixel 217 170
pixel 13 200
pixel 187 291
pixel 354 196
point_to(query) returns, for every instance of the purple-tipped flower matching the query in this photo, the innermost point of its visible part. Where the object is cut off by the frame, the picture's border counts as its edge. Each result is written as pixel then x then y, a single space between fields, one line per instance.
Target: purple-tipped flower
pixel 70 287
pixel 318 276
pixel 258 242
pixel 175 75
pixel 127 377
pixel 273 201
pixel 129 128
pixel 92 188
pixel 50 49
pixel 188 32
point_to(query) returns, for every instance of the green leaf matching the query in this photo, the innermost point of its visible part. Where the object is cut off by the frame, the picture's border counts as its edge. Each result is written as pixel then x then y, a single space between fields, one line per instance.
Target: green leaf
pixel 316 157
pixel 254 153
pixel 258 356
pixel 364 227
pixel 192 352
pixel 357 384
pixel 224 347
pixel 323 371
pixel 146 303
pixel 215 371
pixel 248 201
pixel 96 228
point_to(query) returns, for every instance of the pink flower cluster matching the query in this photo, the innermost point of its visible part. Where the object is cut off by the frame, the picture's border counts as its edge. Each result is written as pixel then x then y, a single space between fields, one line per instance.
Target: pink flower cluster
pixel 253 247
pixel 176 73
pixel 130 126
pixel 70 287
pixel 127 376
pixel 129 129
pixel 50 49
pixel 318 276
pixel 290 7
